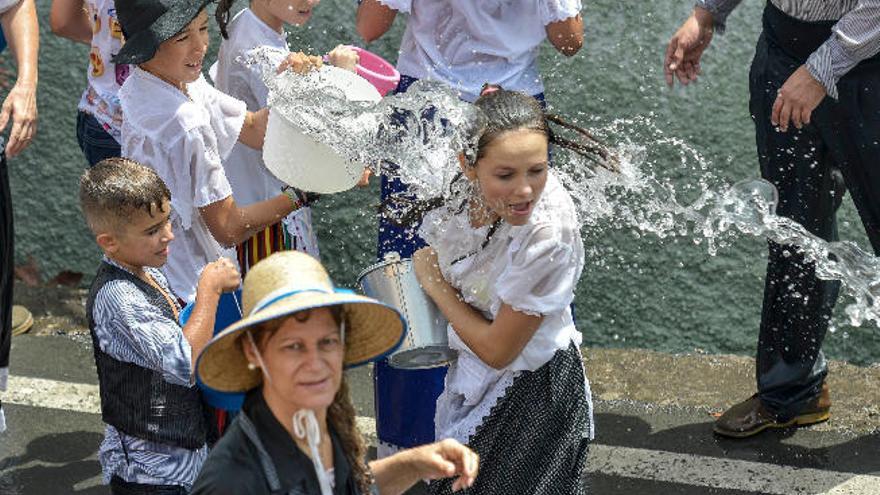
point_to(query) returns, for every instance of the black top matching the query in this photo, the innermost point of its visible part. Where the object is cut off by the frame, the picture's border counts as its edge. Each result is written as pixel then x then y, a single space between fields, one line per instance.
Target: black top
pixel 138 401
pixel 237 466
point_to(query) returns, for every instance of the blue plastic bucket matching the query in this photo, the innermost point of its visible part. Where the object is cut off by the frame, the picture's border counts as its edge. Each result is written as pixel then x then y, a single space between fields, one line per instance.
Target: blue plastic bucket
pixel 228 312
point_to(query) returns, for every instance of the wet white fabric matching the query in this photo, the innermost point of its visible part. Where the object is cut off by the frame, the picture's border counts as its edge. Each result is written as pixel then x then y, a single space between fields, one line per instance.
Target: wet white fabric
pixel 533 268
pixel 183 137
pixel 250 180
pixel 466 44
pixel 101 97
pixel 305 425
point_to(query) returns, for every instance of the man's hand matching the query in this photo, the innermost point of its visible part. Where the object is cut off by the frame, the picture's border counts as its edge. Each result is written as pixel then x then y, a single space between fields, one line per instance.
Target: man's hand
pixel 21 107
pixel 686 48
pixel 797 99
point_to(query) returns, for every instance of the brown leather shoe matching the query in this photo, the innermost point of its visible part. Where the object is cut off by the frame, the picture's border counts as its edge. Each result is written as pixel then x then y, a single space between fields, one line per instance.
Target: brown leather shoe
pixel 750 417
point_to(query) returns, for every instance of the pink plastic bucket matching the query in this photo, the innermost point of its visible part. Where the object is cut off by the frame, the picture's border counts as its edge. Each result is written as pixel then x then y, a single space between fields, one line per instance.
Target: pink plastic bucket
pixel 377 70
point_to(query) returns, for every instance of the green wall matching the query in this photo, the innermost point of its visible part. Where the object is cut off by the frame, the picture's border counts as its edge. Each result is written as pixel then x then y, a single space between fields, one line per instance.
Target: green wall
pixel 637 290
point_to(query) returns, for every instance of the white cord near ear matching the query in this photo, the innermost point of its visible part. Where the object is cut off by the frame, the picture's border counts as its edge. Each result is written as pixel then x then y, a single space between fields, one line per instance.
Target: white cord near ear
pixel 305 425
pixel 259 357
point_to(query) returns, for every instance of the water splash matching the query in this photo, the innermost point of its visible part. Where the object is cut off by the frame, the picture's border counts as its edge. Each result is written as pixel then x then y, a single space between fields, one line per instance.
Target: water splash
pixel 425 128
pixel 418 135
pixel 643 199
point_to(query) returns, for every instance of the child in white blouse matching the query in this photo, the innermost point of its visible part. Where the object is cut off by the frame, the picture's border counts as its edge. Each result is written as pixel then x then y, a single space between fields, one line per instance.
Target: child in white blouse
pixel 182 127
pixel 465 44
pixel 260 27
pixel 502 265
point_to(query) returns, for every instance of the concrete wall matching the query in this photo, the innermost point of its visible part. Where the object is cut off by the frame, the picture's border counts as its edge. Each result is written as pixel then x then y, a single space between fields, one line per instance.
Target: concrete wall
pixel 636 291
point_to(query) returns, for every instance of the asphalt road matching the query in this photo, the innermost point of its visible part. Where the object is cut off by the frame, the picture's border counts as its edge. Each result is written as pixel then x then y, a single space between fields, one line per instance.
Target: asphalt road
pixel 641 447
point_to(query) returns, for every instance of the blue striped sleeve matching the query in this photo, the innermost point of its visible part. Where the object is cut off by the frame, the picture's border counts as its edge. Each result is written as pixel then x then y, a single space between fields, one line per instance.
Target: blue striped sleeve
pixel 856 37
pixel 719 9
pixel 132 330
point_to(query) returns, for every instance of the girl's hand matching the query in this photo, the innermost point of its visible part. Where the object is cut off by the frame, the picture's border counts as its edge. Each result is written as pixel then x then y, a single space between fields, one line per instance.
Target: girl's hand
pixel 427 269
pixel 445 459
pixel 344 58
pixel 300 63
pixel 365 178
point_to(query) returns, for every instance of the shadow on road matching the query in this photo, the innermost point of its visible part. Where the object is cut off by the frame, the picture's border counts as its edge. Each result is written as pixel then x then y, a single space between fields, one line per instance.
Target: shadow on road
pixel 53 464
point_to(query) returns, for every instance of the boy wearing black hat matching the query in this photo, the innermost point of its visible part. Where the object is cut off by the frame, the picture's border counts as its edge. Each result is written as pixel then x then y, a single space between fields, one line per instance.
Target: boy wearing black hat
pixel 182 127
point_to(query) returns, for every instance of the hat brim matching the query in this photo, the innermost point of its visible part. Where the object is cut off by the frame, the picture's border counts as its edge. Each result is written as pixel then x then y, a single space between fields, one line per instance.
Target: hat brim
pixel 143 46
pixel 373 330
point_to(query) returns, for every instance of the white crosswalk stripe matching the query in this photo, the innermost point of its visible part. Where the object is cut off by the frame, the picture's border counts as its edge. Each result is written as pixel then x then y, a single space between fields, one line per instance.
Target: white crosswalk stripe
pixel 628 462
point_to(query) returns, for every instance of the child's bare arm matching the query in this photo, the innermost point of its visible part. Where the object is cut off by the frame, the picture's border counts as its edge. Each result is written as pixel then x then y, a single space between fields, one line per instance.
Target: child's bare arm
pixel 253 132
pixel 374 20
pixel 217 277
pixel 231 224
pixel 69 19
pixel 567 35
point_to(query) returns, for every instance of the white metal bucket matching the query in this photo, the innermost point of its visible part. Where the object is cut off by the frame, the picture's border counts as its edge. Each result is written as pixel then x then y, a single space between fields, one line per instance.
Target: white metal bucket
pixel 426 344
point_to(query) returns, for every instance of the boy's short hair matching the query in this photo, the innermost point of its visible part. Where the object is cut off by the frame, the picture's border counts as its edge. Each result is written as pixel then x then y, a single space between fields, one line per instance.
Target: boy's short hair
pixel 114 188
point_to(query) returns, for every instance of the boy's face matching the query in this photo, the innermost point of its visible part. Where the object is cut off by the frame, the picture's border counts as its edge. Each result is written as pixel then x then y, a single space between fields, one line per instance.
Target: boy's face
pixel 179 59
pixel 296 12
pixel 143 240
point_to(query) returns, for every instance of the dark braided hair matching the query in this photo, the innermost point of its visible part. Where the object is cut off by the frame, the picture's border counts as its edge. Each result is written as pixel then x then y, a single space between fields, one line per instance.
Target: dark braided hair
pixel 222 15
pixel 503 111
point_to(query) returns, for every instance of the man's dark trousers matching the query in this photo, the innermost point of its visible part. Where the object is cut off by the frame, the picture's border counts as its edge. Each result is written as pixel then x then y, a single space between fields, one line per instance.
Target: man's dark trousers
pixel 811 168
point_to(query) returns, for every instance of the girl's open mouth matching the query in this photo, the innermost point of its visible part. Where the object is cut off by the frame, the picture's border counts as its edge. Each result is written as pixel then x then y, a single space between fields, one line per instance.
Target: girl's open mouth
pixel 521 208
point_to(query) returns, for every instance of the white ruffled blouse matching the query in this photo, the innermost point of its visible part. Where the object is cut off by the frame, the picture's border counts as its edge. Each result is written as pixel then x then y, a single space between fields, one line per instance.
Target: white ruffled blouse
pixel 532 268
pixel 183 137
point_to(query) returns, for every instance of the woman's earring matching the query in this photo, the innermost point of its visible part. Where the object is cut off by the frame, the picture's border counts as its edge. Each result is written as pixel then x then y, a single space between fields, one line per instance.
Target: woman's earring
pixel 252 366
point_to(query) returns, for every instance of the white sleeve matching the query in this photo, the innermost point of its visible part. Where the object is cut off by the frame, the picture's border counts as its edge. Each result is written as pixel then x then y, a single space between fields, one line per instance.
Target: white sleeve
pixel 7 4
pixel 558 10
pixel 227 118
pixel 404 6
pixel 208 182
pixel 542 272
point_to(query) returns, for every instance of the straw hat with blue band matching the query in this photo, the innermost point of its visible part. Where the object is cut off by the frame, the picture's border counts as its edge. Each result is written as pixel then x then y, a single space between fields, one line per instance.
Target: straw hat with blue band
pixel 281 285
pixel 147 23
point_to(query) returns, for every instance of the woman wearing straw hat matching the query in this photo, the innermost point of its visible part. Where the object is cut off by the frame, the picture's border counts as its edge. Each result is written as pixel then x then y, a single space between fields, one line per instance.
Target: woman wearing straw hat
pixel 296 432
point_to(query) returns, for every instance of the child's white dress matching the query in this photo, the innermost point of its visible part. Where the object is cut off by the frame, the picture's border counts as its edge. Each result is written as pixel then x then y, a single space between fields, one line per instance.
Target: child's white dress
pixel 531 421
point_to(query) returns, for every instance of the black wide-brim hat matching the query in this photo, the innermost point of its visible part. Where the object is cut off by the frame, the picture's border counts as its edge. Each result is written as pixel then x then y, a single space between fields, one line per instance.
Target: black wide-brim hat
pixel 147 23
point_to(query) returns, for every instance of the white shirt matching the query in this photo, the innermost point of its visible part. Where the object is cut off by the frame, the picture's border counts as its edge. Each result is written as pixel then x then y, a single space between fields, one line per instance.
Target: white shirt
pixel 251 181
pixel 184 140
pixel 466 43
pixel 533 268
pixel 101 97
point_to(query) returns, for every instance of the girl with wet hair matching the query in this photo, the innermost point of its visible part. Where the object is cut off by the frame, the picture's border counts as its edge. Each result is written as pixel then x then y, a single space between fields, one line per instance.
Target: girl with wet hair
pixel 504 257
pixel 260 28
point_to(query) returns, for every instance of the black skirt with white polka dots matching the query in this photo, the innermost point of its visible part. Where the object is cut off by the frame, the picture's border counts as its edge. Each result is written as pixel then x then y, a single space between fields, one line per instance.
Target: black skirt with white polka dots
pixel 535 439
